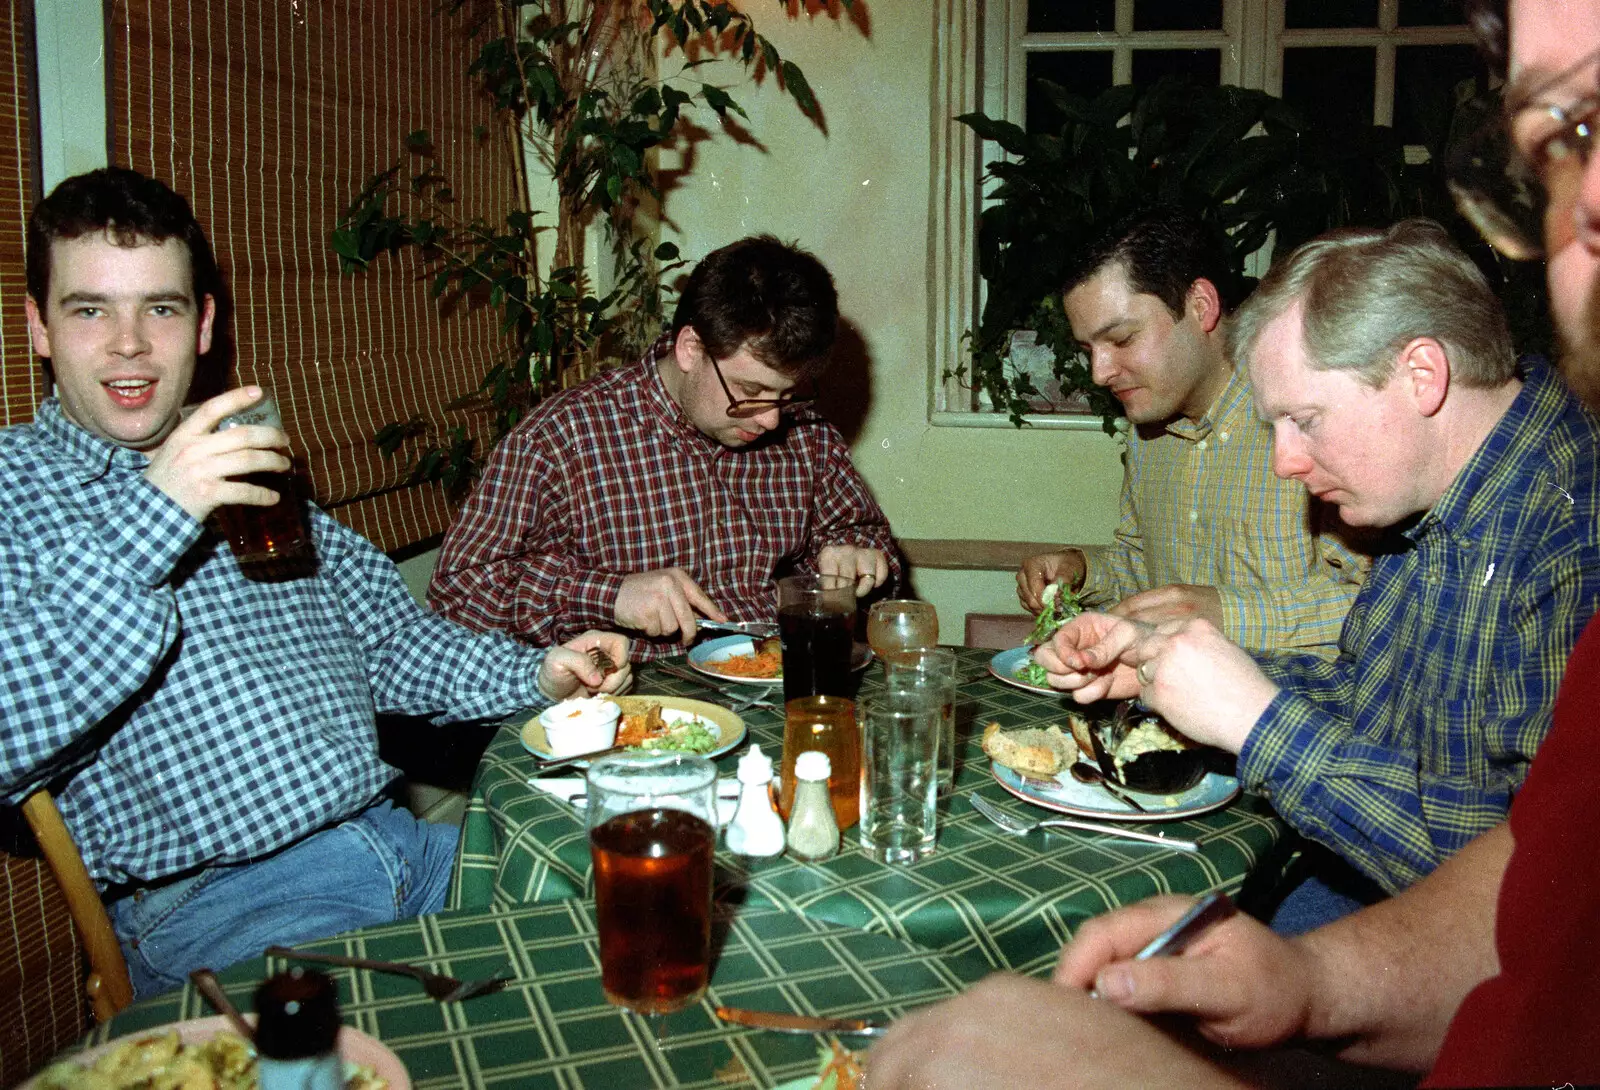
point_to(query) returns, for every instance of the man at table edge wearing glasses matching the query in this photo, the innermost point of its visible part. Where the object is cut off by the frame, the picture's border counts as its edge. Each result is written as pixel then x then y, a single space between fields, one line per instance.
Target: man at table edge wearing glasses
pixel 680 485
pixel 207 730
pixel 1205 528
pixel 1485 970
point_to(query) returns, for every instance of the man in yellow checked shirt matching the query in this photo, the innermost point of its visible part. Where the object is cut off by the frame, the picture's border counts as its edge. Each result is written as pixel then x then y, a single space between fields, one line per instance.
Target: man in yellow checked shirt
pixel 1206 528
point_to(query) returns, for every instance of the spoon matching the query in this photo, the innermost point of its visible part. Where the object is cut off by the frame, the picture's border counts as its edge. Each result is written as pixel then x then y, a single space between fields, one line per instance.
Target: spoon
pixel 205 982
pixel 1084 772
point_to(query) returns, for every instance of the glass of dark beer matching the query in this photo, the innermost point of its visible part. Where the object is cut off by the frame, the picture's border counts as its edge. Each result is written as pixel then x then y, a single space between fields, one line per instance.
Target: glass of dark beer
pixel 264 534
pixel 817 623
pixel 652 821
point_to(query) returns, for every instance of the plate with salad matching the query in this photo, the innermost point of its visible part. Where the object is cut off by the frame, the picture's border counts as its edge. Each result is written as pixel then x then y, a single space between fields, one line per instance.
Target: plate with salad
pixel 672 723
pixel 1016 666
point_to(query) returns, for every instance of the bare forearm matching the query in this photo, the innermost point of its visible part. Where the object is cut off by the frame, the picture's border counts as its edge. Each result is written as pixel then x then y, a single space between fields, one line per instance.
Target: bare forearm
pixel 1391 976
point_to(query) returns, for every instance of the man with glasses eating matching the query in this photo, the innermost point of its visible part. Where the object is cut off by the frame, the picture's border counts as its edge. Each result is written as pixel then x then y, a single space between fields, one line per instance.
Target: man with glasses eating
pixel 680 486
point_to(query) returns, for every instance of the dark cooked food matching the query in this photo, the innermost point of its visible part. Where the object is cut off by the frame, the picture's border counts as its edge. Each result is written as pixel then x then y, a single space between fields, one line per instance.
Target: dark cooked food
pixel 1138 750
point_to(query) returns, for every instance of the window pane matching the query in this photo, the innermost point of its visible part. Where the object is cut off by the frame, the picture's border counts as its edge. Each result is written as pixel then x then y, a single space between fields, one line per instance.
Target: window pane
pixel 1177 15
pixel 1424 89
pixel 1300 14
pixel 1081 72
pixel 1201 65
pixel 1069 16
pixel 1430 12
pixel 1334 86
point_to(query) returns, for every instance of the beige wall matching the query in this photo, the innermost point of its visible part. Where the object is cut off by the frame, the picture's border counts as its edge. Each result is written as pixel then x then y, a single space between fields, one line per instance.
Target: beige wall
pixel 859 197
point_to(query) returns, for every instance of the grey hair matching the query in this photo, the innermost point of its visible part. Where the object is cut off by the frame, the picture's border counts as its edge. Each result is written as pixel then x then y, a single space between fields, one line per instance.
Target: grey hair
pixel 1366 293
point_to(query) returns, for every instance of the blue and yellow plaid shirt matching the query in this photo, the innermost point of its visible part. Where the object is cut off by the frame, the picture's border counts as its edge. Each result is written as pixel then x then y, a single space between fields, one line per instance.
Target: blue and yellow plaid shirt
pixel 184 713
pixel 1415 738
pixel 1201 505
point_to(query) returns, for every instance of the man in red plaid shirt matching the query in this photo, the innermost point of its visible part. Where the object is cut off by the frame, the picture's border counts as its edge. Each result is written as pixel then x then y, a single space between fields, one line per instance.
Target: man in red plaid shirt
pixel 682 485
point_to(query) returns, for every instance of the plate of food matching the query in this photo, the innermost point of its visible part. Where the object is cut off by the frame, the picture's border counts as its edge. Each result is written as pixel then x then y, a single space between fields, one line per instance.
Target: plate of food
pixel 1016 666
pixel 1136 751
pixel 205 1052
pixel 673 723
pixel 753 662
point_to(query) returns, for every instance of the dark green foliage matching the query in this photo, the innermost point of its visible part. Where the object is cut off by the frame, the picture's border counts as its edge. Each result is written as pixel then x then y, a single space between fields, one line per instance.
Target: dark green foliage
pixel 579 85
pixel 1242 160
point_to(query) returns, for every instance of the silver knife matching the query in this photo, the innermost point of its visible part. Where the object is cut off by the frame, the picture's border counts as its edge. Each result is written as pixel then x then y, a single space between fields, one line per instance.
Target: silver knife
pixel 563 762
pixel 750 701
pixel 784 1022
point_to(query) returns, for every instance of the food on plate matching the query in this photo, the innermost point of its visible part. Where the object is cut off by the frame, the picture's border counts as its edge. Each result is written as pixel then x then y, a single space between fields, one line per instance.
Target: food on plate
pixel 1032 752
pixel 650 729
pixel 160 1060
pixel 765 662
pixel 1060 606
pixel 1079 724
pixel 1150 735
pixel 840 1069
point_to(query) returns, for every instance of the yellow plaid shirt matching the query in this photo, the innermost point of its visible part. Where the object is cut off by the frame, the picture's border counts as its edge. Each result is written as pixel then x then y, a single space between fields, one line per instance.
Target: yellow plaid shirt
pixel 1201 505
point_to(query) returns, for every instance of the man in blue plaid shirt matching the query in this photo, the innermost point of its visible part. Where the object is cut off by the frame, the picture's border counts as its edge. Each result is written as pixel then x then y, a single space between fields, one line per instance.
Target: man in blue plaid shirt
pixel 1382 361
pixel 208 736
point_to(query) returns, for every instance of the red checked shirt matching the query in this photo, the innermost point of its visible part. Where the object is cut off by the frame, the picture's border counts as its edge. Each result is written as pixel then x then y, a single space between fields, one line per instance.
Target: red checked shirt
pixel 609 479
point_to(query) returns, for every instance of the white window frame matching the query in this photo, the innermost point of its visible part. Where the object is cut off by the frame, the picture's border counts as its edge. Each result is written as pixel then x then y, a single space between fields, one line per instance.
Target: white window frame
pixel 980 49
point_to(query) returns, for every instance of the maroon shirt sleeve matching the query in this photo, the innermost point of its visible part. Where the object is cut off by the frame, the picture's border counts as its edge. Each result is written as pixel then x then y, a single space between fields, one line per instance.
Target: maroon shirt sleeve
pixel 1538 1021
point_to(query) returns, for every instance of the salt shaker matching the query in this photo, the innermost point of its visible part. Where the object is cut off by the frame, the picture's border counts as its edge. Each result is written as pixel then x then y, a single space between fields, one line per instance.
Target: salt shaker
pixel 756 829
pixel 813 830
pixel 297 1032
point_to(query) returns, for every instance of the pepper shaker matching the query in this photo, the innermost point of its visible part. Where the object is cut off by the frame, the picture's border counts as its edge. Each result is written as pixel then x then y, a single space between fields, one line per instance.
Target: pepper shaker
pixel 756 829
pixel 813 830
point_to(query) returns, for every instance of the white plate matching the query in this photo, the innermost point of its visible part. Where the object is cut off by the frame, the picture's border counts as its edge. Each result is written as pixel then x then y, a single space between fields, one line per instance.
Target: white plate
pixel 1004 667
pixel 354 1046
pixel 1066 795
pixel 727 726
pixel 704 657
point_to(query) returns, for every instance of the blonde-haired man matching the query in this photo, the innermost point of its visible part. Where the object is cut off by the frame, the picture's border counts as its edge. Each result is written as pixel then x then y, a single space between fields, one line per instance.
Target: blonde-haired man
pixel 1382 361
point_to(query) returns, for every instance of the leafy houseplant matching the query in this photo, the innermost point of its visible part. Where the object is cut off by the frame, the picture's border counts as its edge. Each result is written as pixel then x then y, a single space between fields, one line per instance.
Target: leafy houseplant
pixel 1242 160
pixel 576 82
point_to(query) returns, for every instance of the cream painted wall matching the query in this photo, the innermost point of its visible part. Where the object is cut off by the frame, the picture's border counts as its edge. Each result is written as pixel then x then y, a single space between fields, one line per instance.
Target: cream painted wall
pixel 859 198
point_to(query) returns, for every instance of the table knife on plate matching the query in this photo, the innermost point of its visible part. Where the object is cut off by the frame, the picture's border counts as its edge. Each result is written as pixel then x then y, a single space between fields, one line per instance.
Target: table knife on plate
pixel 784 1022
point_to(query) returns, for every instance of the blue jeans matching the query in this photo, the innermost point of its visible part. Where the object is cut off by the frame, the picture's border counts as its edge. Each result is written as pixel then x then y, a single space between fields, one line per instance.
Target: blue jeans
pixel 1332 889
pixel 379 866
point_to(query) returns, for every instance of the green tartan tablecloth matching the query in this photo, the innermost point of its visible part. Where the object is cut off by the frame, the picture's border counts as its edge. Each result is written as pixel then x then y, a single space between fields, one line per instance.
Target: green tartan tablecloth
pixel 553 1027
pixel 1008 901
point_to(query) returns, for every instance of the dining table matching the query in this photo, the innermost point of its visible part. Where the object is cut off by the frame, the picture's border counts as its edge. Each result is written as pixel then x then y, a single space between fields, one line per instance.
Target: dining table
pixel 551 1026
pixel 1007 902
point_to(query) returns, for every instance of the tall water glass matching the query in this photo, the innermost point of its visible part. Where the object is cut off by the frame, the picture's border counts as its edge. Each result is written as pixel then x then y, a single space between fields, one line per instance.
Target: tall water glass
pixel 817 622
pixel 652 831
pixel 899 775
pixel 899 624
pixel 931 670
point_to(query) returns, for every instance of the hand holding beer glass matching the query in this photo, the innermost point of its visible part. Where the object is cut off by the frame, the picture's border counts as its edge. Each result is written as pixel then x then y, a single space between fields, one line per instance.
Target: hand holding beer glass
pixel 260 534
pixel 652 822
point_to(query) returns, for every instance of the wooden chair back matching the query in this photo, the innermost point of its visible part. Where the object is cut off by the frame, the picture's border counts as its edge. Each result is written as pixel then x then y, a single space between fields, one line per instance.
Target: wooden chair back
pixel 60 964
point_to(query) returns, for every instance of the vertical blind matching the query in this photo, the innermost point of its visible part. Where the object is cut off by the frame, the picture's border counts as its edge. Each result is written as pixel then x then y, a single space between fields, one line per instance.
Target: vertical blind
pixel 270 117
pixel 21 383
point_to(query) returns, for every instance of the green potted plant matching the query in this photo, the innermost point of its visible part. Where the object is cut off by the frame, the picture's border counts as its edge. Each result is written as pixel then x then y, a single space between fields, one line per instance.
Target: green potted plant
pixel 591 88
pixel 1242 160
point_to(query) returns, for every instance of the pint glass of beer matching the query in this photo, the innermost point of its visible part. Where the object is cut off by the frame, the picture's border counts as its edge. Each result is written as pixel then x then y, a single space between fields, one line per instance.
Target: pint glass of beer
pixel 652 821
pixel 261 534
pixel 817 621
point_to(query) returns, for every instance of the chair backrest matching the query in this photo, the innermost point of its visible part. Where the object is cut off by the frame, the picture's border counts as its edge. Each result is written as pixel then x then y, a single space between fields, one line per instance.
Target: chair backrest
pixel 43 1006
pixel 107 985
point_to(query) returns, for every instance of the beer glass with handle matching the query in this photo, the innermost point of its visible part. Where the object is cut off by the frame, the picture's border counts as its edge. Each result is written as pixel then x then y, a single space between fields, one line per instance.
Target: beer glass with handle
pixel 652 821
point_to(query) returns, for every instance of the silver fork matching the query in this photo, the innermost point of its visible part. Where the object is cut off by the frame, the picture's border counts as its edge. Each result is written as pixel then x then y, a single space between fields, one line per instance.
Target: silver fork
pixel 1021 827
pixel 446 989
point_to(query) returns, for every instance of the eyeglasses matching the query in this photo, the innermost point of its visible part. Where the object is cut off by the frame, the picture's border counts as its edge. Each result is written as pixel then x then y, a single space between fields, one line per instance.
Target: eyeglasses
pixel 1525 166
pixel 743 408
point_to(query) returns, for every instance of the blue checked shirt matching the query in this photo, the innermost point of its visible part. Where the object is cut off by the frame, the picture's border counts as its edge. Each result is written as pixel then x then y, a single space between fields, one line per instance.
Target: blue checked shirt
pixel 1416 737
pixel 184 714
